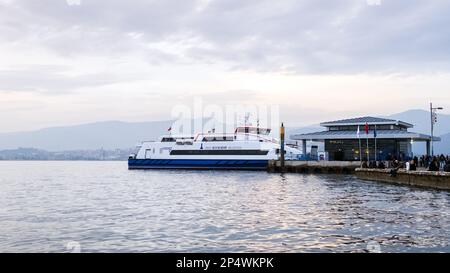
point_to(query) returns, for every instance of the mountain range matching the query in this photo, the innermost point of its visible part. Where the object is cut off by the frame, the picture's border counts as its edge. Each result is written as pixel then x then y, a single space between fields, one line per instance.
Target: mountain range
pixel 112 135
pixel 108 135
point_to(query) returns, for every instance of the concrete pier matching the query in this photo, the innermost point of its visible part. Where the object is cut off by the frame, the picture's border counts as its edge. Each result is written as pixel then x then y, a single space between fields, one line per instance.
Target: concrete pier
pixel 435 180
pixel 330 167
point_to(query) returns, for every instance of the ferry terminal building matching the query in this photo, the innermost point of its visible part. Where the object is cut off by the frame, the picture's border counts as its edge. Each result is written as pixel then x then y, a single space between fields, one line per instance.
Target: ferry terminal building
pixel 341 141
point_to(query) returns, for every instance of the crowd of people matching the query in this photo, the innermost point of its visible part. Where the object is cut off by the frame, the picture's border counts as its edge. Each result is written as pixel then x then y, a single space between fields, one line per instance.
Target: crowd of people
pixel 430 163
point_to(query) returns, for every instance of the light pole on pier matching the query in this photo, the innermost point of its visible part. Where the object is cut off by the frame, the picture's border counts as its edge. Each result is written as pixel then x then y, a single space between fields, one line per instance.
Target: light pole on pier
pixel 433 114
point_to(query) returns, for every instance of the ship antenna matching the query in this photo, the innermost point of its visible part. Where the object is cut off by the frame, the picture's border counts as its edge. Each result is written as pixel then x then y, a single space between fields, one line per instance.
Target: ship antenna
pixel 246 129
pixel 247 117
pixel 257 126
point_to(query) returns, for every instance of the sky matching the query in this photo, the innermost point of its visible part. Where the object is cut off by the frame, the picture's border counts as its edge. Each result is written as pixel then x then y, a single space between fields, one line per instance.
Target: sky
pixel 65 62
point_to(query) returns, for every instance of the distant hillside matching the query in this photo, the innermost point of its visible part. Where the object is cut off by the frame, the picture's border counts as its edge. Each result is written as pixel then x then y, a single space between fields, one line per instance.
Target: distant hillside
pixel 36 154
pixel 421 120
pixel 112 135
pixel 106 135
pixel 303 130
pixel 443 147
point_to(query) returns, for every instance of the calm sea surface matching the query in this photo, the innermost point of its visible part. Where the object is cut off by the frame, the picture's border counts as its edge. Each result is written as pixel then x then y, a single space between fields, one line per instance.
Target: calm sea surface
pixel 103 207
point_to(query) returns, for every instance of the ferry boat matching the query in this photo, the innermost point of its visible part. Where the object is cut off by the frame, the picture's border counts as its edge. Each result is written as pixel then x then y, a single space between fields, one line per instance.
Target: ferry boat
pixel 249 148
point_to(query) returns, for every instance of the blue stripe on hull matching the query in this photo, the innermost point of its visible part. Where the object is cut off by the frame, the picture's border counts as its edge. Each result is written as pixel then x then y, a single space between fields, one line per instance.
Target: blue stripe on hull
pixel 205 164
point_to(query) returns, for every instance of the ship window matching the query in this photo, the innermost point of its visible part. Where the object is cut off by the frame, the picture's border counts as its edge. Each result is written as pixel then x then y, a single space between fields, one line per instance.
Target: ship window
pixel 164 149
pixel 253 130
pixel 168 139
pixel 218 152
pixel 211 139
pixel 262 131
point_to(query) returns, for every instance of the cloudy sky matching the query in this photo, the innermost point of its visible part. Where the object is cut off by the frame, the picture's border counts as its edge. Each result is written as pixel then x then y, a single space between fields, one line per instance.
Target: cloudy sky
pixel 67 62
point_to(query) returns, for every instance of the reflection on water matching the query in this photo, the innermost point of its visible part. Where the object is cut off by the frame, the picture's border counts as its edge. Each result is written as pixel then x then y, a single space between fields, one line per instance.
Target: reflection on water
pixel 101 206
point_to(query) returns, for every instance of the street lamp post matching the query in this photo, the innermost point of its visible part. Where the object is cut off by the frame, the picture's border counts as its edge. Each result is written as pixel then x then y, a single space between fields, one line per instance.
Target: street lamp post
pixel 433 121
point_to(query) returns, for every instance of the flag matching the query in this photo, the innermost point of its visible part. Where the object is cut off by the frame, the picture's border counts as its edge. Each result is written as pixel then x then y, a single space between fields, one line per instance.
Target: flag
pixel 170 129
pixel 375 132
pixel 358 133
pixel 367 128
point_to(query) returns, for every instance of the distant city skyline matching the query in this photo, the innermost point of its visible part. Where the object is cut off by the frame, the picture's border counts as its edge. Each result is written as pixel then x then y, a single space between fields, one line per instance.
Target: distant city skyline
pixel 74 62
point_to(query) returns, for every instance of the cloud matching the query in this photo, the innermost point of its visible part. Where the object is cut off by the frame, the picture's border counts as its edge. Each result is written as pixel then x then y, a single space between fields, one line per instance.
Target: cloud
pixel 115 59
pixel 304 37
pixel 52 80
pixel 337 37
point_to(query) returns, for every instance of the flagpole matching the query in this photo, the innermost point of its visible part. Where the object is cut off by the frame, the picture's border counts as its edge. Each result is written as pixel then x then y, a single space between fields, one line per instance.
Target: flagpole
pixel 367 135
pixel 368 153
pixel 360 151
pixel 359 140
pixel 375 136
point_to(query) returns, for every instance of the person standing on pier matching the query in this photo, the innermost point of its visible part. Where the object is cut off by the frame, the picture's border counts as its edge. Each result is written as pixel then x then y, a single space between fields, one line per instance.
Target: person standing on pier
pixel 442 162
pixel 416 161
pixel 447 166
pixel 434 165
pixel 412 166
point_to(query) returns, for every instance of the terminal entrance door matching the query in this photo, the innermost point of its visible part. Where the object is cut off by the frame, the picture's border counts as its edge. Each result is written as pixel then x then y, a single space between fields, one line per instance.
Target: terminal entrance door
pixel 339 155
